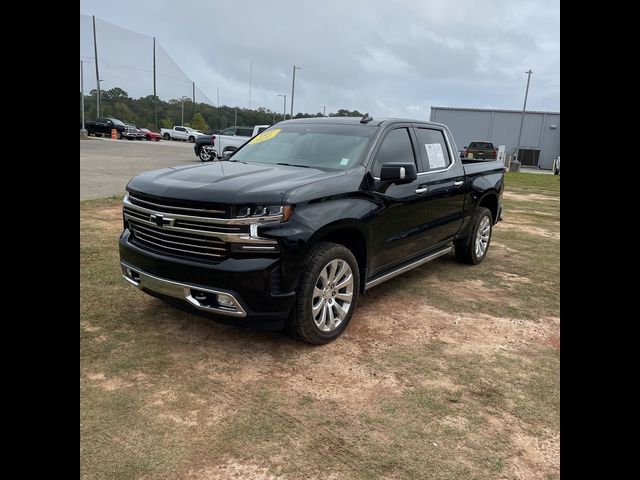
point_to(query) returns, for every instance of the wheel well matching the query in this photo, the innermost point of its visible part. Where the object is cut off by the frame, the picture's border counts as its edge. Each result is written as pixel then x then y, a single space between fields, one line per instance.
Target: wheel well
pixel 490 201
pixel 354 241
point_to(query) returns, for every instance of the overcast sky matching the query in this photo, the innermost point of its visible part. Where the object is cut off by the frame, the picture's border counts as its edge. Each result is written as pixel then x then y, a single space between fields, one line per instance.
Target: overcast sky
pixel 388 58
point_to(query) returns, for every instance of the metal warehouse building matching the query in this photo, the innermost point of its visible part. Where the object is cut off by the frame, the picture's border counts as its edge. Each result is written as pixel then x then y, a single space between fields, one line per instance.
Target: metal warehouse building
pixel 540 133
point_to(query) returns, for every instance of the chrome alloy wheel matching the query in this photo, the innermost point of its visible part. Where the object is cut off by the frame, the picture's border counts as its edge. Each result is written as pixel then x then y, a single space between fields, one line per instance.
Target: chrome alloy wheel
pixel 482 237
pixel 332 295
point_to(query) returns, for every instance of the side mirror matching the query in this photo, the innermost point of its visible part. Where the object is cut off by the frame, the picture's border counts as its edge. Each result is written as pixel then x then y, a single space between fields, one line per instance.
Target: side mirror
pixel 465 147
pixel 398 172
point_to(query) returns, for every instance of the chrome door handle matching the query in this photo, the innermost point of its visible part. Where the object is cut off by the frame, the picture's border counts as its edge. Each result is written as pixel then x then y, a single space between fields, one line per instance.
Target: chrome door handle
pixel 459 183
pixel 421 190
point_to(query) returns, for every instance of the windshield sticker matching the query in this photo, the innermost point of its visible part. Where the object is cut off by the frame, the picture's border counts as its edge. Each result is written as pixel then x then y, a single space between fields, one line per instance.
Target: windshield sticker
pixel 344 161
pixel 264 136
pixel 435 155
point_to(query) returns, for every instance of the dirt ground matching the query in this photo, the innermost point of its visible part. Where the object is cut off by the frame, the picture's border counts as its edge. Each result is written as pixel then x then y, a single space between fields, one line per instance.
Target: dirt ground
pixel 449 371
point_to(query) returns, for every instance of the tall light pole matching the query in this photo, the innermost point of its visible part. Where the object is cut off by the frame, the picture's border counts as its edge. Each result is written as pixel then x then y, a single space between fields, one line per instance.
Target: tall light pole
pixel 218 95
pixel 284 106
pixel 293 87
pixel 524 107
pixel 182 98
pixel 82 95
pixel 99 98
pixel 95 53
pixel 324 111
pixel 235 120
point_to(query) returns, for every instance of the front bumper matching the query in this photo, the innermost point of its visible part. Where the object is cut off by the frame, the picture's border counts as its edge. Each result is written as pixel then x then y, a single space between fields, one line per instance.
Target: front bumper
pixel 252 284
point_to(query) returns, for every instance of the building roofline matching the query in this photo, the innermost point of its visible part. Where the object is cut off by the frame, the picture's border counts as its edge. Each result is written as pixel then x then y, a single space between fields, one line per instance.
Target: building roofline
pixel 492 110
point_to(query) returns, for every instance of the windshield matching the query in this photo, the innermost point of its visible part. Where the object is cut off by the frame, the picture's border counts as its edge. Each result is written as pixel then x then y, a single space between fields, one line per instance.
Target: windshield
pixel 334 147
pixel 117 122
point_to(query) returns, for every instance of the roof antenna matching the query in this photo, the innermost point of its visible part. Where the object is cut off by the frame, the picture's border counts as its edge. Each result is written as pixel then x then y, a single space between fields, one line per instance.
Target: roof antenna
pixel 366 118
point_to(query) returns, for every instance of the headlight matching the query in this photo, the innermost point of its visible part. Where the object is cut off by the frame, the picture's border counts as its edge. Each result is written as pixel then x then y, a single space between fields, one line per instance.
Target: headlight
pixel 265 212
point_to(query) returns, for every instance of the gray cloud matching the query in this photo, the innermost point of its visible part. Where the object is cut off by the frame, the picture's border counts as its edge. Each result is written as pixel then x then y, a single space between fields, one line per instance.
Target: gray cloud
pixel 387 58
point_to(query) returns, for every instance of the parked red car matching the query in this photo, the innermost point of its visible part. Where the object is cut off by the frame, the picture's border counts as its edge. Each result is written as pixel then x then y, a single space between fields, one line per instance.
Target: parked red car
pixel 151 135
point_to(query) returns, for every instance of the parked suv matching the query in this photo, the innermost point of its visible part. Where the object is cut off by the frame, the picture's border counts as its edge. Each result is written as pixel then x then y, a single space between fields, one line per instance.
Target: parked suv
pixel 296 225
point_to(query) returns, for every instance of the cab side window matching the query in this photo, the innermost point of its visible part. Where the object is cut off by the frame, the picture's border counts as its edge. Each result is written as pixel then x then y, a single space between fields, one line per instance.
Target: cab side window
pixel 434 149
pixel 396 147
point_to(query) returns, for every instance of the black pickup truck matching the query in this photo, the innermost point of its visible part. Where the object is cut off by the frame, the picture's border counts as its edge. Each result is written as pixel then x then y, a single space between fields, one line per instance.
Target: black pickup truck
pixel 293 227
pixel 103 126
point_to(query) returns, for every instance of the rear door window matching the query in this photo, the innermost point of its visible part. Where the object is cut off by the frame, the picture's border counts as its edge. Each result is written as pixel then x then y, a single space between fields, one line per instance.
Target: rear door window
pixel 244 132
pixel 433 149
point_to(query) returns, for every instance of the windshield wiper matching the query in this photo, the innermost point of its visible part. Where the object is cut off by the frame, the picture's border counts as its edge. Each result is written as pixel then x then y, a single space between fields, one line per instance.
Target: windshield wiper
pixel 292 165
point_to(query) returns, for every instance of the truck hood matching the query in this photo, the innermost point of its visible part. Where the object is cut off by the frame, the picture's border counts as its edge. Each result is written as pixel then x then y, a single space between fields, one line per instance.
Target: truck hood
pixel 227 182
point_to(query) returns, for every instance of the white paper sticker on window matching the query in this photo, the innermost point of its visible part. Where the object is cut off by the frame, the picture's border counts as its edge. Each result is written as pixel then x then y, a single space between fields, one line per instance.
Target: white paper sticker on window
pixel 435 155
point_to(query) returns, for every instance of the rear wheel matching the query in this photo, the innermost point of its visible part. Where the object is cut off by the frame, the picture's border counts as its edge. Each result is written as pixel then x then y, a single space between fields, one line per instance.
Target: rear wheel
pixel 205 154
pixel 167 136
pixel 476 246
pixel 327 295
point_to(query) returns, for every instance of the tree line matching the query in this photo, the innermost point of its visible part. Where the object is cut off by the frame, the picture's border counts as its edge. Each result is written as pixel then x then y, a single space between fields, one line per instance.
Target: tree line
pixel 201 116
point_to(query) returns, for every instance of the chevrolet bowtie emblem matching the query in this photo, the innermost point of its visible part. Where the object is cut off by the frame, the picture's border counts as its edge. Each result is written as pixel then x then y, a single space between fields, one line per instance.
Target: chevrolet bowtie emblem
pixel 159 220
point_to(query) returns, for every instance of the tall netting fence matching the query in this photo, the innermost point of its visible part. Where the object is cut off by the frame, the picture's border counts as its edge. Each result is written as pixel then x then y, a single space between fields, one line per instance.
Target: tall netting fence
pixel 125 72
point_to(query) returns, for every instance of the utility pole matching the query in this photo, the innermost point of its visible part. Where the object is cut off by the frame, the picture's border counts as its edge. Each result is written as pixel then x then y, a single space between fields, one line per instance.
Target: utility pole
pixel 524 107
pixel 193 100
pixel 95 50
pixel 284 106
pixel 250 80
pixel 182 99
pixel 155 95
pixel 324 111
pixel 235 120
pixel 218 95
pixel 82 95
pixel 293 87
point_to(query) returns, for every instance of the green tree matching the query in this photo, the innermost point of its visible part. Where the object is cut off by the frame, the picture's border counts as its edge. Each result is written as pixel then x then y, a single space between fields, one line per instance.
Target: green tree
pixel 166 123
pixel 198 122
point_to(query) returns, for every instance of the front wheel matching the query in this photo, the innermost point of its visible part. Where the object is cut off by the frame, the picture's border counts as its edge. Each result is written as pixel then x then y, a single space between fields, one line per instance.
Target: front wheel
pixel 475 248
pixel 327 295
pixel 192 139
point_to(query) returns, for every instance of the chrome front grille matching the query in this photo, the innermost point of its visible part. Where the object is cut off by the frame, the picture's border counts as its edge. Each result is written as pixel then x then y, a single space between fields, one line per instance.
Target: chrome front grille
pixel 187 245
pixel 179 231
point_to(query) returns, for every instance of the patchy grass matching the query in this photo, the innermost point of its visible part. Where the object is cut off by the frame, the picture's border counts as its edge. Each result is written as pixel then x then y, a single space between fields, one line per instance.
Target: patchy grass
pixel 447 372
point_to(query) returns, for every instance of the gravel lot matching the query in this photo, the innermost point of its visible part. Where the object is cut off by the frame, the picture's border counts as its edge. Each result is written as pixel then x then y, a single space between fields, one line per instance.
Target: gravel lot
pixel 107 165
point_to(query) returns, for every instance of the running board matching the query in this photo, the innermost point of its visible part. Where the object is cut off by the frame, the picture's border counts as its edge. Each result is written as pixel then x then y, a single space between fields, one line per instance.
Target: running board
pixel 417 263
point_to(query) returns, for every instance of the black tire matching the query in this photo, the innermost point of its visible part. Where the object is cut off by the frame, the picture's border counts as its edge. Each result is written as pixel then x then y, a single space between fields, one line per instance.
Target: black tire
pixel 192 139
pixel 301 323
pixel 167 136
pixel 466 252
pixel 119 135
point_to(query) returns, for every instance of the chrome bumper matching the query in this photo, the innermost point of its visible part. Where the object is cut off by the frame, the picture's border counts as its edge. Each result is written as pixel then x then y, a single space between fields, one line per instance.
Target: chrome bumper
pixel 202 298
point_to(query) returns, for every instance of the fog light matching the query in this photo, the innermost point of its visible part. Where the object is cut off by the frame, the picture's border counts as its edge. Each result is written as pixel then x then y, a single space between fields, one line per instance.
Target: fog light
pixel 226 300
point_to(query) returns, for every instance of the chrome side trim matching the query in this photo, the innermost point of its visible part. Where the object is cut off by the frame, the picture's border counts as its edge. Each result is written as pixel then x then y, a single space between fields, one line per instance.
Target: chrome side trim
pixel 180 290
pixel 417 263
pixel 228 221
